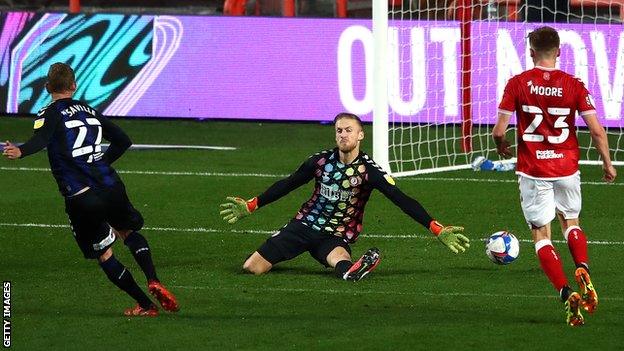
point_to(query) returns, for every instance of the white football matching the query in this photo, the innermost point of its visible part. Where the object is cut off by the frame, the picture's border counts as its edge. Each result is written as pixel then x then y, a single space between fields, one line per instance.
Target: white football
pixel 502 247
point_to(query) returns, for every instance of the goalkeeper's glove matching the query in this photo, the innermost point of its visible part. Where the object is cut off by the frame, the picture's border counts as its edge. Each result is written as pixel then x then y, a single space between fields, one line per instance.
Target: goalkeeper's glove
pixel 236 208
pixel 450 236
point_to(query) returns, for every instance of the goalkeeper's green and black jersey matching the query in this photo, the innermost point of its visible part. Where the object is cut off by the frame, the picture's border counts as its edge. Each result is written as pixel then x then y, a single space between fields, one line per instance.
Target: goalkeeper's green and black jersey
pixel 341 192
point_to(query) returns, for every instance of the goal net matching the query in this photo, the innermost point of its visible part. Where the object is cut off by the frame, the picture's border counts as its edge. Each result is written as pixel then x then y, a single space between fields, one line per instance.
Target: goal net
pixel 438 84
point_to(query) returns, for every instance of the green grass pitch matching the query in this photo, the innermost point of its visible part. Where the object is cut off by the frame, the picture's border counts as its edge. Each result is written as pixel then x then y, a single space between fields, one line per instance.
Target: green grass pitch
pixel 421 297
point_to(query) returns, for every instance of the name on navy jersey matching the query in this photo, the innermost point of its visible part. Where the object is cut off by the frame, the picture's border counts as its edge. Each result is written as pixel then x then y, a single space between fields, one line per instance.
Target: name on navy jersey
pixel 73 109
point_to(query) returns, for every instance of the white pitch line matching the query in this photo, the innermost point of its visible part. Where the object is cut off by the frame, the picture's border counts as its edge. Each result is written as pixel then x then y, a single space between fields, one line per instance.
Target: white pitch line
pixel 380 292
pixel 271 175
pixel 167 147
pixel 484 180
pixel 190 147
pixel 173 173
pixel 267 232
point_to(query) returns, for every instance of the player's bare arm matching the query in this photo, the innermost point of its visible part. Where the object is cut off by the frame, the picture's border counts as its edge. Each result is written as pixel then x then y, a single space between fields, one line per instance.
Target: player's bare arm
pixel 498 133
pixel 236 208
pixel 599 137
pixel 450 236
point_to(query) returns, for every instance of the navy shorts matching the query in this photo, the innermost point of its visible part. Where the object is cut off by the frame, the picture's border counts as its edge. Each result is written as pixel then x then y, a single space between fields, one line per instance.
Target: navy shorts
pixel 296 238
pixel 93 213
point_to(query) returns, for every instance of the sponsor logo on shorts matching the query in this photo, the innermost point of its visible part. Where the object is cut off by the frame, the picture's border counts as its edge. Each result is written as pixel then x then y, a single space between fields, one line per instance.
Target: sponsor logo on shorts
pixel 106 242
pixel 547 154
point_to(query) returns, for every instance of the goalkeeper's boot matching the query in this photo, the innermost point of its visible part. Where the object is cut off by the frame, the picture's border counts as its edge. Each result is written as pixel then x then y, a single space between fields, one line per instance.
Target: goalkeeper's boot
pixel 138 311
pixel 589 297
pixel 166 299
pixel 573 310
pixel 364 265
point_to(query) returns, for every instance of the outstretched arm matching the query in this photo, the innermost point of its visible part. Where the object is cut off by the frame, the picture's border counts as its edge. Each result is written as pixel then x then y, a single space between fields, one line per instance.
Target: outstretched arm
pixel 282 187
pixel 450 236
pixel 236 208
pixel 408 205
pixel 44 128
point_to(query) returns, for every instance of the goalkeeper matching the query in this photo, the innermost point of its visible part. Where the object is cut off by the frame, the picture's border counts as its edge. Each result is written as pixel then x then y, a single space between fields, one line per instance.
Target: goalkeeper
pixel 332 218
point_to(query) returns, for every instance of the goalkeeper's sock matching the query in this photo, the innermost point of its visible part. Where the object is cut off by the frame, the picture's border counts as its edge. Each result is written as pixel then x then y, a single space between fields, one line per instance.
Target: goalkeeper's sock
pixel 342 267
pixel 142 254
pixel 551 263
pixel 120 276
pixel 577 243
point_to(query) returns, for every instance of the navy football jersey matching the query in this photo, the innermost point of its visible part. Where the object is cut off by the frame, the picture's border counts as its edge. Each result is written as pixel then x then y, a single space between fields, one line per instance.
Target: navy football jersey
pixel 73 132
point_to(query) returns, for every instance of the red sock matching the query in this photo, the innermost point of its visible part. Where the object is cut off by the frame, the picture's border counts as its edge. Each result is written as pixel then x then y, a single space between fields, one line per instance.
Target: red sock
pixel 577 242
pixel 551 263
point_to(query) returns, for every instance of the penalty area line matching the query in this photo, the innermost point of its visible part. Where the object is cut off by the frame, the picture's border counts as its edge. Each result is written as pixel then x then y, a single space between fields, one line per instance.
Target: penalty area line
pixel 380 292
pixel 269 232
pixel 277 175
pixel 168 147
pixel 180 147
pixel 159 173
pixel 484 180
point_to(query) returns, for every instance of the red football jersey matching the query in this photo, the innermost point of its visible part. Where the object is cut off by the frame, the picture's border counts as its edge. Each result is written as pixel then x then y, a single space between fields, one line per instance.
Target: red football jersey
pixel 546 101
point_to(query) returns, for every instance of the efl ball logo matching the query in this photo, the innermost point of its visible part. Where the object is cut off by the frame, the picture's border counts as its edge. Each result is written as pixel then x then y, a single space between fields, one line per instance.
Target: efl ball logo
pixel 502 247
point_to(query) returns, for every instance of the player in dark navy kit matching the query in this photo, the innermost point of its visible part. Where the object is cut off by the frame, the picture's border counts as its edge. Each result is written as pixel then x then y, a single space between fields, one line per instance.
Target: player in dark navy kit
pixel 332 218
pixel 95 197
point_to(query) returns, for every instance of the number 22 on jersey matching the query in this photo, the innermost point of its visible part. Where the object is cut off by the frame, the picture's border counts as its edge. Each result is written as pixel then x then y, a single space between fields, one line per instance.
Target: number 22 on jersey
pixel 79 149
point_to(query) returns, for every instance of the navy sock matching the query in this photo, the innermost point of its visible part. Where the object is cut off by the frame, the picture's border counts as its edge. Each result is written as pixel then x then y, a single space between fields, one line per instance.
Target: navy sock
pixel 141 252
pixel 342 267
pixel 120 276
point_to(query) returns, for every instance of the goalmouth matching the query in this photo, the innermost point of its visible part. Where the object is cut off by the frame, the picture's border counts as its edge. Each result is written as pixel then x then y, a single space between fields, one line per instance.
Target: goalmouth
pixel 438 82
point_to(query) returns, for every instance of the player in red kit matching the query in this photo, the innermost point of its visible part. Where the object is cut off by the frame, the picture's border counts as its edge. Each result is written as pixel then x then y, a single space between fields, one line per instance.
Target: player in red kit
pixel 546 101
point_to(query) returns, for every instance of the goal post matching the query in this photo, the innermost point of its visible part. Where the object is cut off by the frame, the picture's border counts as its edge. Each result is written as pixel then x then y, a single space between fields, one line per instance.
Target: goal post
pixel 441 67
pixel 380 84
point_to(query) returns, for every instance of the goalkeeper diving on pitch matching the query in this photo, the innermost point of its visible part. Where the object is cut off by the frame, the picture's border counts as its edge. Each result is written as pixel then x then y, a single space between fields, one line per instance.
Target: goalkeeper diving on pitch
pixel 331 219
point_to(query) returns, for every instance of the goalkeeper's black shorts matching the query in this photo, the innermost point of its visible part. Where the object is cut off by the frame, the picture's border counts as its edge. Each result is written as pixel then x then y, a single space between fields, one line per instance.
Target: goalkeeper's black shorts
pixel 296 238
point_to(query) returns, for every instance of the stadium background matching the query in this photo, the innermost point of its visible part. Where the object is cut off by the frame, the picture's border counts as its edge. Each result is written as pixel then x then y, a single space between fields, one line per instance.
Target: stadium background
pixel 421 296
